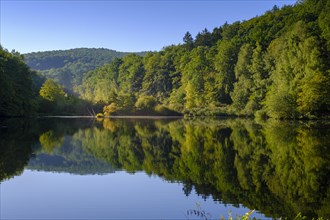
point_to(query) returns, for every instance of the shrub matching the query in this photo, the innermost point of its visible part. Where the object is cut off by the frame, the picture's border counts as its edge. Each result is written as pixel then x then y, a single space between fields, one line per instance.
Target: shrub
pixel 109 109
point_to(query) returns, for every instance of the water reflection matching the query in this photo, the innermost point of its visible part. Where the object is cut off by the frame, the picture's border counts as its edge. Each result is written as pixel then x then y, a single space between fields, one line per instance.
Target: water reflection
pixel 279 168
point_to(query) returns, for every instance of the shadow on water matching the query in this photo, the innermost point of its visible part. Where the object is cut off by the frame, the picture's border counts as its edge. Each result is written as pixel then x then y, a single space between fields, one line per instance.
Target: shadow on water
pixel 279 168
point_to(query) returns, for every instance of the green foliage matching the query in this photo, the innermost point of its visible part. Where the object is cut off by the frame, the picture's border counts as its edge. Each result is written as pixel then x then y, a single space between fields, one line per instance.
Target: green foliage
pixel 16 140
pixel 126 101
pixel 49 141
pixel 324 20
pixel 299 78
pixel 243 85
pixel 25 93
pixel 195 68
pixel 53 100
pixel 109 109
pixel 68 67
pixel 165 111
pixel 131 73
pixel 278 168
pixel 235 161
pixel 102 84
pixel 225 66
pixel 203 38
pixel 188 40
pixel 51 91
pixel 275 65
pixel 157 77
pixel 17 92
pixel 145 102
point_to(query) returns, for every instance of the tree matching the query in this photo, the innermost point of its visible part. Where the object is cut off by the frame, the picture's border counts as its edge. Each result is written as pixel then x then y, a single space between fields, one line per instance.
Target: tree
pixel 224 64
pixel 49 141
pixel 51 91
pixel 195 66
pixel 259 77
pixel 203 38
pixel 146 103
pixel 157 80
pixel 131 73
pixel 314 87
pixel 276 64
pixel 243 84
pixel 109 109
pixel 188 39
pixel 323 21
pixel 300 79
pixel 17 92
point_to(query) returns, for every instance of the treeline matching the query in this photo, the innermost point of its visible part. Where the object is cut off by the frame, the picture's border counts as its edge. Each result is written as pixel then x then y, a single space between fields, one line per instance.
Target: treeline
pixel 67 67
pixel 276 65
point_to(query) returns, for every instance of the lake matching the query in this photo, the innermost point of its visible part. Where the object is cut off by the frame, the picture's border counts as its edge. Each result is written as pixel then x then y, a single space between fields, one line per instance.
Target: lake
pixel 82 168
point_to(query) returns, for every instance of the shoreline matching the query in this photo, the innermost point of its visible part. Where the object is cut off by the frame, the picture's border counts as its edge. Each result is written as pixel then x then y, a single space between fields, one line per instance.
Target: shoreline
pixel 116 116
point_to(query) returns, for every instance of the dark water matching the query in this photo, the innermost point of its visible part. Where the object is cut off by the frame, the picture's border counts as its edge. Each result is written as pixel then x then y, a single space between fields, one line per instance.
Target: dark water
pixel 163 169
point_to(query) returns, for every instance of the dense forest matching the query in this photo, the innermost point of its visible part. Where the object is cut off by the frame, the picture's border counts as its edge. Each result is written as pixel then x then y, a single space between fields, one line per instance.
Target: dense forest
pixel 276 65
pixel 67 67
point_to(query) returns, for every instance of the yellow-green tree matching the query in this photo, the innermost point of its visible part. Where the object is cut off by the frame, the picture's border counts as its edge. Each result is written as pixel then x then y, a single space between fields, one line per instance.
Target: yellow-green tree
pixel 51 91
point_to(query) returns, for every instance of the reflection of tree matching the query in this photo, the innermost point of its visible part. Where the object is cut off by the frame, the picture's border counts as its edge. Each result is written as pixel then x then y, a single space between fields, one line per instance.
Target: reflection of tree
pixel 49 140
pixel 300 165
pixel 277 167
pixel 16 140
pixel 14 155
pixel 108 124
pixel 19 142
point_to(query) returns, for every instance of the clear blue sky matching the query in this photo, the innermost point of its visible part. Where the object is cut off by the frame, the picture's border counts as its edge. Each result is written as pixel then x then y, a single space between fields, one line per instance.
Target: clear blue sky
pixel 30 26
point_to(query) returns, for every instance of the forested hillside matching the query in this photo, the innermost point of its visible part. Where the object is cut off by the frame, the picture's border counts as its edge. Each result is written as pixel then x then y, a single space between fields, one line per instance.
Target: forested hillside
pixel 67 67
pixel 275 65
pixel 24 92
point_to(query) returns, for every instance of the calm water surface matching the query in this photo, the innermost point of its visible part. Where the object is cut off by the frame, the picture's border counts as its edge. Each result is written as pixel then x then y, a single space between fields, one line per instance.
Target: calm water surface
pixel 63 168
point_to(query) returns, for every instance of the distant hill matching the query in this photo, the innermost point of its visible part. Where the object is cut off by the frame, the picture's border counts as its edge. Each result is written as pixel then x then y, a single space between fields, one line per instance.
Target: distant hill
pixel 60 164
pixel 68 67
pixel 69 157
